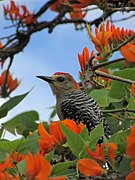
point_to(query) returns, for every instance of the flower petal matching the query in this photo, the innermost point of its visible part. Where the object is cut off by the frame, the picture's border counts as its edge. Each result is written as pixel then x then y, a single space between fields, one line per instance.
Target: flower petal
pixel 89 167
pixel 131 143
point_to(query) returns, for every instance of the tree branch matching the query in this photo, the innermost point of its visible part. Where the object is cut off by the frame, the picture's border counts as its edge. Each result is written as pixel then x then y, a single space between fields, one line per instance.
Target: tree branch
pixel 20 41
pixel 107 63
pixel 4 89
pixel 119 46
pixel 118 110
pixel 89 63
pixel 121 9
pixel 44 8
pixel 103 74
pixel 95 22
pixel 124 19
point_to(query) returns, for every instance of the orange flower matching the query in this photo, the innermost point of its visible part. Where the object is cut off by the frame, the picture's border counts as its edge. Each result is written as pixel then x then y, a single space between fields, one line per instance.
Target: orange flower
pixel 9 161
pixel 2 167
pixel 15 14
pixel 108 37
pixel 131 143
pixel 56 133
pixel 77 3
pixel 128 52
pixel 57 6
pixel 133 90
pixel 29 19
pixel 111 148
pixel 17 157
pixel 13 11
pixel 89 167
pixel 56 137
pixel 131 176
pixel 83 59
pixel 56 178
pixel 6 176
pixel 46 141
pixel 99 153
pixel 132 165
pixel 11 84
pixel 37 167
pixel 101 41
pixel 1 44
pixel 73 126
pixel 120 35
pixel 77 14
pixel 130 152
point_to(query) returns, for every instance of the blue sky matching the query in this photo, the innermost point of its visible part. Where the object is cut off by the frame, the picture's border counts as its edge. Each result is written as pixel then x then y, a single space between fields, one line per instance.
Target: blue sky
pixel 45 55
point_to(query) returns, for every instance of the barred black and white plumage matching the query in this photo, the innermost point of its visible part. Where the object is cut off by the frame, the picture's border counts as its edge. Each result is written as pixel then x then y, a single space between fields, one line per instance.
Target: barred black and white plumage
pixel 80 107
pixel 72 103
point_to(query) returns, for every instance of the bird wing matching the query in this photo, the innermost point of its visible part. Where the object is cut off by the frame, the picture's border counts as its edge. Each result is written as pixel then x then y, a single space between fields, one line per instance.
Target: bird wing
pixel 78 106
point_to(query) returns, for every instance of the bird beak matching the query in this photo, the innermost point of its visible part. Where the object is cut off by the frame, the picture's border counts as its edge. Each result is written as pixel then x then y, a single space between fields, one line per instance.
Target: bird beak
pixel 46 78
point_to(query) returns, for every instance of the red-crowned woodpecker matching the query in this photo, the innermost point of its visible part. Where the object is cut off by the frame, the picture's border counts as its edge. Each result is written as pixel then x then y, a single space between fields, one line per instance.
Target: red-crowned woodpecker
pixel 73 103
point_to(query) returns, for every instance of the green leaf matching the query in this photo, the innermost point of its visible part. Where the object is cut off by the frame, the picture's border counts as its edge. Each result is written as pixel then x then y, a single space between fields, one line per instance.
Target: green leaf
pixel 3 155
pixel 49 156
pixel 22 122
pixel 131 105
pixel 95 135
pixel 11 104
pixel 120 89
pixel 10 146
pixel 124 166
pixel 120 138
pixel 61 168
pixel 113 124
pixel 85 134
pixel 22 166
pixel 1 131
pixel 75 141
pixel 53 113
pixel 12 171
pixel 31 144
pixel 102 97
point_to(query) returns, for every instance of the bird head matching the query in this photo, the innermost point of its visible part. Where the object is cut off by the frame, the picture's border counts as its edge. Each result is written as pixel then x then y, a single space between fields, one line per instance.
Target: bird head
pixel 61 83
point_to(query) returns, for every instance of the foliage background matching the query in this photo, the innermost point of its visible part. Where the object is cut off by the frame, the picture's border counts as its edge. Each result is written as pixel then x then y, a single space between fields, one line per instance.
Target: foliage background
pixel 46 54
pixel 48 148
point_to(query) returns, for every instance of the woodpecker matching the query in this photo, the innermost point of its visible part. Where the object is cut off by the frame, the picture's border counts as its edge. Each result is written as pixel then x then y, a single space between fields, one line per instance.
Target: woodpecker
pixel 73 103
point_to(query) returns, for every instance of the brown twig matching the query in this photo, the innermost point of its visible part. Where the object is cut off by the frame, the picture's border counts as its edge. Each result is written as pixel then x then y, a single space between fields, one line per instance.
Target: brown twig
pixel 44 8
pixel 103 74
pixel 121 9
pixel 107 63
pixel 119 46
pixel 124 19
pixel 58 18
pixel 118 110
pixel 95 22
pixel 6 78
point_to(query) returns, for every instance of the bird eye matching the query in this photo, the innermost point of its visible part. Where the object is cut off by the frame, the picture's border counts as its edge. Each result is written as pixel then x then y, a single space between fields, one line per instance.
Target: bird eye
pixel 60 79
